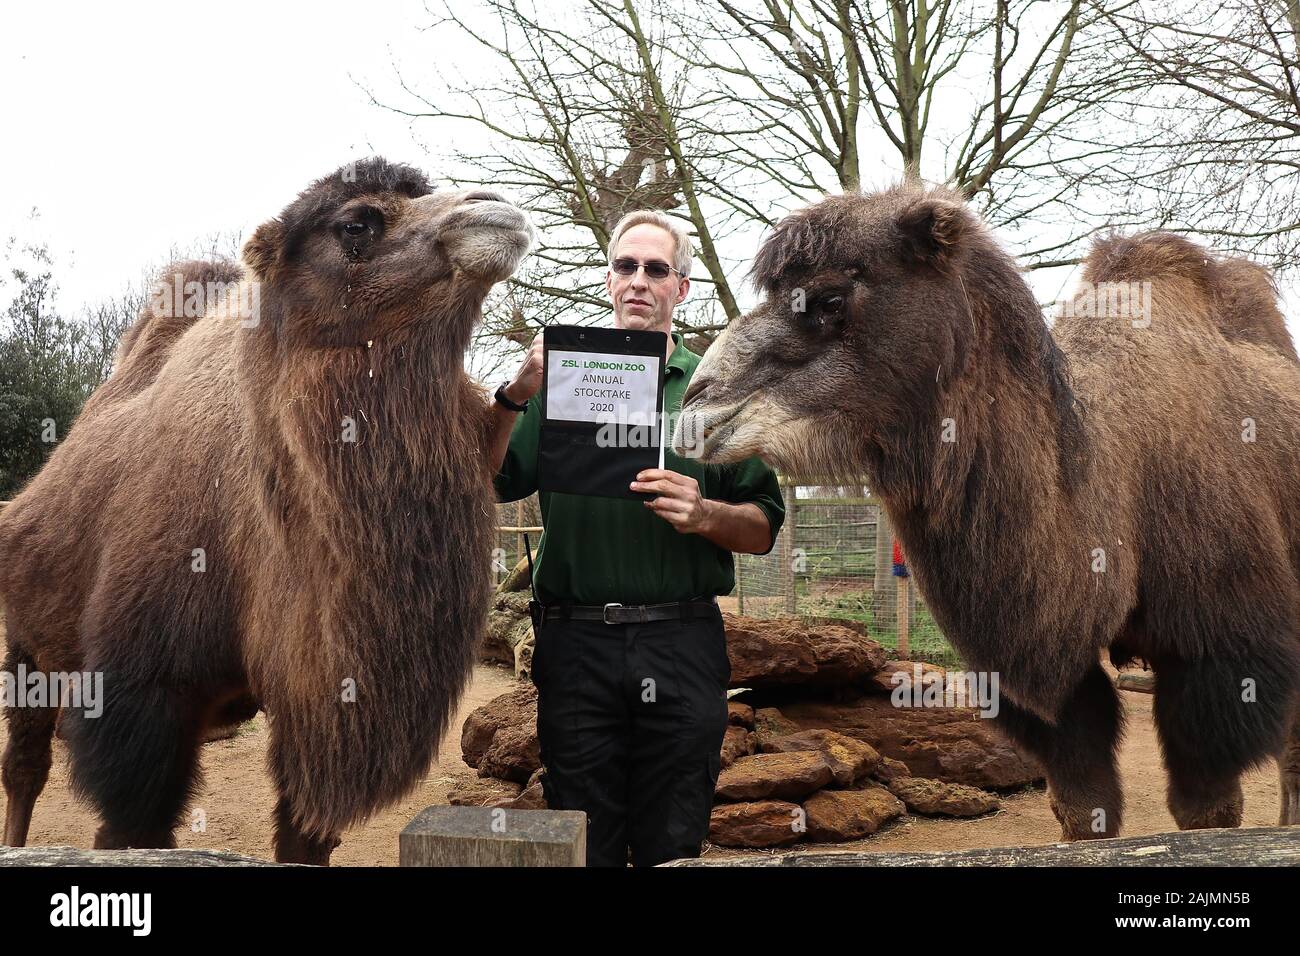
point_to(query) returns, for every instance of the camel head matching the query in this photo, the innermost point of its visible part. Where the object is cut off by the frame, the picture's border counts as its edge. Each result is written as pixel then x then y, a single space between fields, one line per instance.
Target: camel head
pixel 863 299
pixel 372 249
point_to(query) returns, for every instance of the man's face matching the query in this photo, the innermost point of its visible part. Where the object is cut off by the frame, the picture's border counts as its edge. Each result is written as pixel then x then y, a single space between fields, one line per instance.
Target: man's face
pixel 641 302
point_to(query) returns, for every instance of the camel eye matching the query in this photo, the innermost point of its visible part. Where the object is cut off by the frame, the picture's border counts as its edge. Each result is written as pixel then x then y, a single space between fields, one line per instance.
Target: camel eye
pixel 355 229
pixel 832 305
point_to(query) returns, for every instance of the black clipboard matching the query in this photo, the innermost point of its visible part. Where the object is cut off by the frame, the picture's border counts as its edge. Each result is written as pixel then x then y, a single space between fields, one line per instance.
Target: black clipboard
pixel 596 444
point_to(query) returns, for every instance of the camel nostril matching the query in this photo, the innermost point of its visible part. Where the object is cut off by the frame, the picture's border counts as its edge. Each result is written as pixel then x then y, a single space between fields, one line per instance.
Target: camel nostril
pixel 695 389
pixel 484 195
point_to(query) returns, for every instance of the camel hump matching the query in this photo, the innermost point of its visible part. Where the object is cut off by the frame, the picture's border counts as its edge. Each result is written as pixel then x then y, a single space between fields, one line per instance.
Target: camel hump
pixel 170 309
pixel 181 293
pixel 1147 256
pixel 1240 295
pixel 1247 306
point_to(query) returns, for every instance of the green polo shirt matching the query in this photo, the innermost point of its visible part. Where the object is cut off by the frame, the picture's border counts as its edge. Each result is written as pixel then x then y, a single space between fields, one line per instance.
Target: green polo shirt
pixel 598 550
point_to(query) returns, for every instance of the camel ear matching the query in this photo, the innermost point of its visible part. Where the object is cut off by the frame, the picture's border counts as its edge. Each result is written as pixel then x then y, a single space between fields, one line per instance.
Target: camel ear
pixel 262 250
pixel 934 231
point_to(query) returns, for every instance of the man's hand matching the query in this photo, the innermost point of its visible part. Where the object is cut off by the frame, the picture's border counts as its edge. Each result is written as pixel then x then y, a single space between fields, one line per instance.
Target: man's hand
pixel 737 527
pixel 528 380
pixel 679 503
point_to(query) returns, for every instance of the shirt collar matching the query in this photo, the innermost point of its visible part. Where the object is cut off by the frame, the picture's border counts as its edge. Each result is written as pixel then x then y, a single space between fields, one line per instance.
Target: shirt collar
pixel 681 357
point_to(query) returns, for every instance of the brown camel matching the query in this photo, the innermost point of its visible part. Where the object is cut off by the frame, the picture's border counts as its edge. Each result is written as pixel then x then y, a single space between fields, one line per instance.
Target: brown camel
pixel 1127 482
pixel 284 507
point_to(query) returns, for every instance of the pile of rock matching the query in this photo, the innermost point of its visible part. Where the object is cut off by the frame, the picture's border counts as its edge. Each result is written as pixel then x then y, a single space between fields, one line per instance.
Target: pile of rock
pixel 816 746
pixel 779 787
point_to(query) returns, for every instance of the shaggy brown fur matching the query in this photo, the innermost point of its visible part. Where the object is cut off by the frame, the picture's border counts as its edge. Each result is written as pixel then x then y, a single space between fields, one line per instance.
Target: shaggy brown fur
pixel 345 581
pixel 1130 483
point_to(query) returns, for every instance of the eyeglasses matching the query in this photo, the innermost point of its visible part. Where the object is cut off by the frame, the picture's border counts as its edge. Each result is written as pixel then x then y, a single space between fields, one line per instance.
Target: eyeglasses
pixel 655 270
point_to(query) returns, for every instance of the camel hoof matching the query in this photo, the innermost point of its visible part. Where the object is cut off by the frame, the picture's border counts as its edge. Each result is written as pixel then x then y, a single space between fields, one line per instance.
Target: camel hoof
pixel 1224 816
pixel 1081 823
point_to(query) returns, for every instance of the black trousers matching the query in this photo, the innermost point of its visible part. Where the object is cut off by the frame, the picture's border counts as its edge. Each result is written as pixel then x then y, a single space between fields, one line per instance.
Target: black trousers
pixel 630 720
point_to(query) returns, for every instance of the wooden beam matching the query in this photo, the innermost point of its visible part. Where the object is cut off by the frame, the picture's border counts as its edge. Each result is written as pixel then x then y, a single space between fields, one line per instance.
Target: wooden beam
pixel 1250 846
pixel 71 856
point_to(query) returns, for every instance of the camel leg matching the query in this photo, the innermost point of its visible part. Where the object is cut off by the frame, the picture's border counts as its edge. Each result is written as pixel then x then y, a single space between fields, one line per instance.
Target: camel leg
pixel 294 846
pixel 1288 766
pixel 1078 753
pixel 1217 718
pixel 27 755
pixel 137 762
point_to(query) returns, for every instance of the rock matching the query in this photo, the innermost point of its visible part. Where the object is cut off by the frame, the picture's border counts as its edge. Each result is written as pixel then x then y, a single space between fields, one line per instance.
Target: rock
pixel 482 792
pixel 783 651
pixel 533 796
pixel 517 708
pixel 770 723
pixel 952 744
pixel 763 823
pixel 839 815
pixel 890 769
pixel 524 640
pixel 774 776
pixel 737 742
pixel 512 603
pixel 885 681
pixel 501 633
pixel 850 760
pixel 740 715
pixel 513 754
pixel 936 798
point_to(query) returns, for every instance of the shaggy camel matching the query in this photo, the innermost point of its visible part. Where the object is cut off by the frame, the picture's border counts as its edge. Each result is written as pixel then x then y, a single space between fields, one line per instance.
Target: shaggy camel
pixel 1127 482
pixel 284 507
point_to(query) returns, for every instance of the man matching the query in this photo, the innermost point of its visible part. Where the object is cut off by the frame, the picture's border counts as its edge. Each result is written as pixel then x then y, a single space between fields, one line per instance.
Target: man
pixel 631 706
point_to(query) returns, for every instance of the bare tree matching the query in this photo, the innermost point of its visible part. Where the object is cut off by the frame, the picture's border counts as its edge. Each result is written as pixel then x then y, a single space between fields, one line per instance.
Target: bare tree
pixel 1000 100
pixel 729 113
pixel 585 124
pixel 1222 158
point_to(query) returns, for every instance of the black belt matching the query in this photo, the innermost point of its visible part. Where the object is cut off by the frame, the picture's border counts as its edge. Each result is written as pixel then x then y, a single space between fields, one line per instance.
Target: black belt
pixel 615 613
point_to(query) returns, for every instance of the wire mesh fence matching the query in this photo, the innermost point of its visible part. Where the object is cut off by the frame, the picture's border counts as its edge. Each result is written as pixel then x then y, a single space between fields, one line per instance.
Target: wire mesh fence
pixel 833 560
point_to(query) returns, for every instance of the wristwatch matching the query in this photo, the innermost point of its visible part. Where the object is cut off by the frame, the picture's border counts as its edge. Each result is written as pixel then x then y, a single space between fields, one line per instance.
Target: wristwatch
pixel 503 399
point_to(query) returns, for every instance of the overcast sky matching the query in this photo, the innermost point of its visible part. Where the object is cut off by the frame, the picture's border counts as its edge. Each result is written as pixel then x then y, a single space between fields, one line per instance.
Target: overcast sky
pixel 133 128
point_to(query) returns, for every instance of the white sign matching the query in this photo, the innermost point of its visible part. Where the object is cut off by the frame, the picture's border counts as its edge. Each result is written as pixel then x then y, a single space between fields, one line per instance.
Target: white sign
pixel 596 387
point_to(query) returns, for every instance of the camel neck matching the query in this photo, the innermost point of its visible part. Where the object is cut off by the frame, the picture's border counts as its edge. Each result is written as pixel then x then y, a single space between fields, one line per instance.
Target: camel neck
pixel 361 426
pixel 1006 414
pixel 990 516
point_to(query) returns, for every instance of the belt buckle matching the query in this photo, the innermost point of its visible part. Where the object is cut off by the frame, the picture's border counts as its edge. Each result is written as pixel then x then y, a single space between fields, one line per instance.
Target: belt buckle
pixel 607 607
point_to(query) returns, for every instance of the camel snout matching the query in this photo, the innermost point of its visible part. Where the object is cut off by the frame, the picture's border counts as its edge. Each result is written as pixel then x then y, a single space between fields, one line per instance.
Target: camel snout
pixel 702 431
pixel 487 235
pixel 484 210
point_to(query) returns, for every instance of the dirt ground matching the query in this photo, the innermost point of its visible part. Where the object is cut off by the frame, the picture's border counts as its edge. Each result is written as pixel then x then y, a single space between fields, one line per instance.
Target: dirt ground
pixel 237 799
